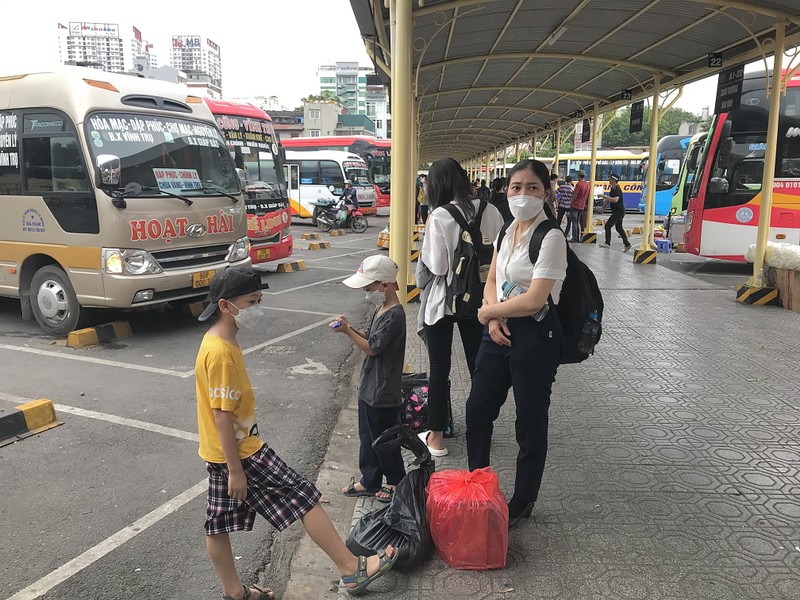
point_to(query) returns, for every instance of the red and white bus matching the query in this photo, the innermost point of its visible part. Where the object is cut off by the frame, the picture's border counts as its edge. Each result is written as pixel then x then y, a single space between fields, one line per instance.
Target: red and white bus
pixel 377 153
pixel 255 149
pixel 725 199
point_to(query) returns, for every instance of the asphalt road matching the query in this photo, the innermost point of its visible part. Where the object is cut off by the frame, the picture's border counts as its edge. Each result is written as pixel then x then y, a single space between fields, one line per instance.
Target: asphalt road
pixel 111 504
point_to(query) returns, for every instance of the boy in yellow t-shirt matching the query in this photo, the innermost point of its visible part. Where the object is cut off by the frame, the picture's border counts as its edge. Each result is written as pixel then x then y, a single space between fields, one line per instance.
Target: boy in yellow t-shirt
pixel 245 476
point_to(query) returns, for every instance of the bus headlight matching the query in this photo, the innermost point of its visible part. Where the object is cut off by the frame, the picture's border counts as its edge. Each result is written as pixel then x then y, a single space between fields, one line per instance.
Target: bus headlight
pixel 689 219
pixel 129 262
pixel 287 231
pixel 239 250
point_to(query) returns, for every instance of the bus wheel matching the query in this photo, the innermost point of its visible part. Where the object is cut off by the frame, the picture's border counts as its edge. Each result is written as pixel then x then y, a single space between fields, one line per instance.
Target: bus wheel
pixel 54 303
pixel 359 224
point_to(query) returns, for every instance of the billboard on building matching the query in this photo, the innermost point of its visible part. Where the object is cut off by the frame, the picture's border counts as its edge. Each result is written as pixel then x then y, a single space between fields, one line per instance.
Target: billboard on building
pixel 212 45
pixel 185 41
pixel 109 30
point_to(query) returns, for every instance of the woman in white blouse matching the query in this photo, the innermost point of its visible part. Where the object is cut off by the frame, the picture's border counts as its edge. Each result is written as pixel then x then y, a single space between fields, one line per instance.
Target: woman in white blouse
pixel 521 346
pixel 448 183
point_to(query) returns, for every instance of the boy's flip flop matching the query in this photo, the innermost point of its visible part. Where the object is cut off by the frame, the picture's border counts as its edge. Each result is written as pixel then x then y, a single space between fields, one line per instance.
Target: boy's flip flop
pixel 385 490
pixel 352 492
pixel 266 594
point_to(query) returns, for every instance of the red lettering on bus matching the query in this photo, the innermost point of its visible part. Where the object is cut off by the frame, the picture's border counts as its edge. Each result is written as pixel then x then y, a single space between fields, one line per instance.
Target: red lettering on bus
pixel 154 229
pixel 138 231
pixel 181 222
pixel 212 224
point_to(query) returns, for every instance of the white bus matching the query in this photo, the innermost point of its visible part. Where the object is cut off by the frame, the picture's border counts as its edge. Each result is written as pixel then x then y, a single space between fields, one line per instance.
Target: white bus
pixel 115 192
pixel 320 174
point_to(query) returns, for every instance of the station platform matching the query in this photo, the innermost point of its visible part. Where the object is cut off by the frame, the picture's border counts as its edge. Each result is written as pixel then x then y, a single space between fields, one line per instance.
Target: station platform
pixel 674 462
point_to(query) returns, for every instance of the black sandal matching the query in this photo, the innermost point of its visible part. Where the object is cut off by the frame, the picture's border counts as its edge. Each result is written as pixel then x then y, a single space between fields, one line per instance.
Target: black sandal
pixel 385 490
pixel 266 594
pixel 352 492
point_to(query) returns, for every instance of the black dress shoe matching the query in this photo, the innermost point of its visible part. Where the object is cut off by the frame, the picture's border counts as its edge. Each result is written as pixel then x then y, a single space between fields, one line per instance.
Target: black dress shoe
pixel 517 512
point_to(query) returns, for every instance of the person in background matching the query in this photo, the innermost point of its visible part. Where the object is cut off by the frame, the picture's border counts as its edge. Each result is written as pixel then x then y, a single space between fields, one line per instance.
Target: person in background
pixel 614 197
pixel 579 204
pixel 551 197
pixel 498 198
pixel 424 205
pixel 566 194
pixel 349 194
pixel 448 183
pixel 483 191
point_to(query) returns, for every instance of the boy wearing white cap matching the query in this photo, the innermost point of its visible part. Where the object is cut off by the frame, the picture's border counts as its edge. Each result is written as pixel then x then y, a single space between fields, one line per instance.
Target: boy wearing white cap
pixel 379 392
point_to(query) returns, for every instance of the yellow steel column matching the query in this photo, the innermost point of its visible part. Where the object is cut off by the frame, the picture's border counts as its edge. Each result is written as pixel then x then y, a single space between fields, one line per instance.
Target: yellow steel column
pixel 505 159
pixel 768 179
pixel 650 200
pixel 402 126
pixel 533 145
pixel 516 152
pixel 557 146
pixel 592 171
pixel 484 176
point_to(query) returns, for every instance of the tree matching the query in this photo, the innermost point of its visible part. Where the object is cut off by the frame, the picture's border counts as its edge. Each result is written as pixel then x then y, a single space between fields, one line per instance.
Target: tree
pixel 616 134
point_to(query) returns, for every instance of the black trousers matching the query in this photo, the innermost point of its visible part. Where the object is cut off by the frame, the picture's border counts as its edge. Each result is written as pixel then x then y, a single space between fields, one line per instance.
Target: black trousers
pixel 615 220
pixel 374 465
pixel 423 212
pixel 439 338
pixel 529 366
pixel 560 217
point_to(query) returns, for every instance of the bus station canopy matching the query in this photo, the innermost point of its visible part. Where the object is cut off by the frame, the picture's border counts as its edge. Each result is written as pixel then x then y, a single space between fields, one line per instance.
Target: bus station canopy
pixel 487 73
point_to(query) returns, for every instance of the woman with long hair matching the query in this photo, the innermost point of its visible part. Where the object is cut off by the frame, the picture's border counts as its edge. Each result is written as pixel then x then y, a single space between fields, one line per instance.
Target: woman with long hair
pixel 448 184
pixel 521 346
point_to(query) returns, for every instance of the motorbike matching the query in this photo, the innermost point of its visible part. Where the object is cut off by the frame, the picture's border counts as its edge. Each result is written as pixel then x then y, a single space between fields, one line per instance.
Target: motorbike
pixel 331 213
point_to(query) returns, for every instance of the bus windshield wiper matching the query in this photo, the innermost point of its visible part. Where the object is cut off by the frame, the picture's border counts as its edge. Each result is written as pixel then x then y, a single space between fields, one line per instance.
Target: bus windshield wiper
pixel 134 189
pixel 212 188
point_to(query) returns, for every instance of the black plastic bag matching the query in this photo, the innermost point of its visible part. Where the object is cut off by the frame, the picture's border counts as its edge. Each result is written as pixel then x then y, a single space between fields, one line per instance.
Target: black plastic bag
pixel 403 523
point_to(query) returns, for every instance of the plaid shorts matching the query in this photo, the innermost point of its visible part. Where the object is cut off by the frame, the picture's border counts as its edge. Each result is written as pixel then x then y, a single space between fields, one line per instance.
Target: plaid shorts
pixel 274 490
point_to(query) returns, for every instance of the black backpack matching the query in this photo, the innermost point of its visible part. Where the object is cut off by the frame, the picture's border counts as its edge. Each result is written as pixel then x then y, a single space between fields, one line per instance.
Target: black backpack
pixel 471 261
pixel 580 308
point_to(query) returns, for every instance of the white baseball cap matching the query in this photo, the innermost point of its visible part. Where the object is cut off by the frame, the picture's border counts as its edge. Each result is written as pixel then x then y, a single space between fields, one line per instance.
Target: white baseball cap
pixel 378 267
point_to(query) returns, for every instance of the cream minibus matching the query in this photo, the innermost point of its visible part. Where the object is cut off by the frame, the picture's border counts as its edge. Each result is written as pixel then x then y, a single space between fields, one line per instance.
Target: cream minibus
pixel 320 174
pixel 115 192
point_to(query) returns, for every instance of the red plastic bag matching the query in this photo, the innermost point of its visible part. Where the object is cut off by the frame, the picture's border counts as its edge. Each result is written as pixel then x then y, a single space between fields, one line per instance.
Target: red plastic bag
pixel 468 517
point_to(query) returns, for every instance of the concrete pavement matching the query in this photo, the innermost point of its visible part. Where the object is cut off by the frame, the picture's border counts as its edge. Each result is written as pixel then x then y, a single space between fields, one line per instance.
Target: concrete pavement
pixel 673 465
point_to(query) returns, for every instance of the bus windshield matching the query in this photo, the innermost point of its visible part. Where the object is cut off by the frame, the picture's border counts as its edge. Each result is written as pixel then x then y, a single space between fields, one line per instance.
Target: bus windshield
pixel 163 153
pixel 357 173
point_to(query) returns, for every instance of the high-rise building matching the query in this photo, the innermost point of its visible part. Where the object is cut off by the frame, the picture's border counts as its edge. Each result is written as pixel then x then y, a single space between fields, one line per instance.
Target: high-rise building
pixel 200 61
pixel 141 52
pixel 360 91
pixel 96 45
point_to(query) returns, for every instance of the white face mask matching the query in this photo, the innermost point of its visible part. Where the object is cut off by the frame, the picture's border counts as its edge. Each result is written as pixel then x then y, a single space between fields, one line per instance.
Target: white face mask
pixel 248 318
pixel 377 297
pixel 524 207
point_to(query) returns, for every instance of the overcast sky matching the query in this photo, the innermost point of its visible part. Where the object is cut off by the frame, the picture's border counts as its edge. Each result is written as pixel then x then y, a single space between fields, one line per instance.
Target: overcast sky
pixel 269 47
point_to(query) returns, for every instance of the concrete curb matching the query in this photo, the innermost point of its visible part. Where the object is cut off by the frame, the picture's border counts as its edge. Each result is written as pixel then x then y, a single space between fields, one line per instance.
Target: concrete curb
pixel 312 575
pixel 26 420
pixel 99 334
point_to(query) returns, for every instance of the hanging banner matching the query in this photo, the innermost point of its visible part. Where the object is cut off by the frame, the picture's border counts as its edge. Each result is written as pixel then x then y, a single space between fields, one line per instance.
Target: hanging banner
pixel 729 89
pixel 586 131
pixel 637 117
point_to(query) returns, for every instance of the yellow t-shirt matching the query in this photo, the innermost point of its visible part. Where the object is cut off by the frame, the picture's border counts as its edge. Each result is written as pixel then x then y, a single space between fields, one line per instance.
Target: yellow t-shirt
pixel 222 383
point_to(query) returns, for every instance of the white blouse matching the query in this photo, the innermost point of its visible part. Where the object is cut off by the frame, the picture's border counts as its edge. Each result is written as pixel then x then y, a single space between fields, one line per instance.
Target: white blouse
pixel 514 264
pixel 438 248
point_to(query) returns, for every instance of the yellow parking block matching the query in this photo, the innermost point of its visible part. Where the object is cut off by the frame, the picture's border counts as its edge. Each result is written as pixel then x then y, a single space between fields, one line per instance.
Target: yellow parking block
pixel 337 233
pixel 99 334
pixel 319 245
pixel 26 420
pixel 291 267
pixel 309 236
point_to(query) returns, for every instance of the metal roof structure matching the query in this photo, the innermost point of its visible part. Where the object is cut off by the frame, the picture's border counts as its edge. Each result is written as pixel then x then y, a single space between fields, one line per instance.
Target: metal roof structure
pixel 488 73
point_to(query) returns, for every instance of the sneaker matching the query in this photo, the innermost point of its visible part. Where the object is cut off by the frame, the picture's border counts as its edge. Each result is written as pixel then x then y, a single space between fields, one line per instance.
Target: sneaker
pixel 604 245
pixel 628 248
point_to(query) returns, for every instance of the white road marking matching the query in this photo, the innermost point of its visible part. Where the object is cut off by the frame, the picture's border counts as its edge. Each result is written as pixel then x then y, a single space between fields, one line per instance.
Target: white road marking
pixel 14 399
pixel 315 260
pixel 92 555
pixel 298 310
pixel 287 336
pixel 333 268
pixel 302 287
pixel 92 359
pixel 310 368
pixel 92 414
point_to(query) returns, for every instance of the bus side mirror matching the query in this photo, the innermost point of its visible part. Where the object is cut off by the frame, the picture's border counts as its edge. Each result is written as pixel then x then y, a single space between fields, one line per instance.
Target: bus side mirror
pixel 282 152
pixel 718 185
pixel 693 157
pixel 725 151
pixel 109 170
pixel 661 165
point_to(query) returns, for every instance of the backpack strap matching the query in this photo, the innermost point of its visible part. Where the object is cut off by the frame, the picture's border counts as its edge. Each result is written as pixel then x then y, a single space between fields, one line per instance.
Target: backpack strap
pixel 458 217
pixel 502 234
pixel 537 238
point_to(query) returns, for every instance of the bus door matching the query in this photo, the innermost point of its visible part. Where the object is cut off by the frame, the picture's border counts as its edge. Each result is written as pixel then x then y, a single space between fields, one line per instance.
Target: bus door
pixel 291 173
